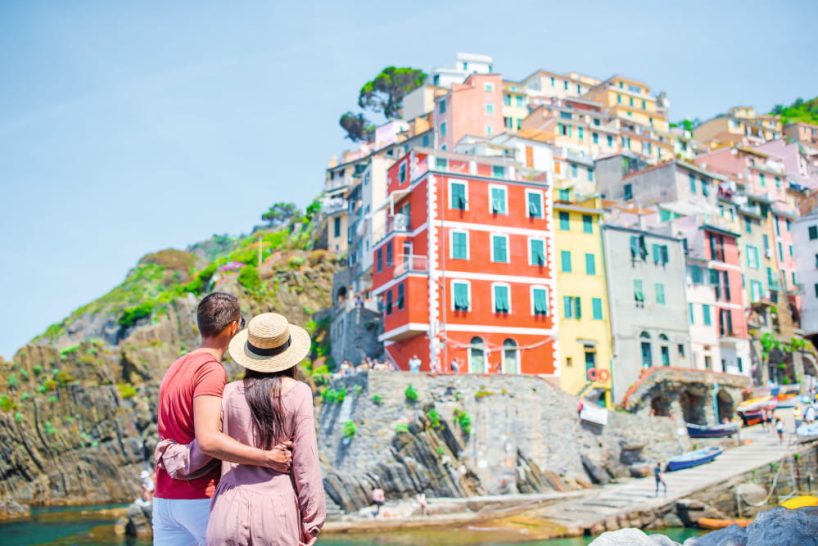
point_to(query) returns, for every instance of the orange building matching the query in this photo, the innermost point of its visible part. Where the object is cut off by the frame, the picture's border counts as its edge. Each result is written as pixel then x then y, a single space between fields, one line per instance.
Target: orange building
pixel 465 270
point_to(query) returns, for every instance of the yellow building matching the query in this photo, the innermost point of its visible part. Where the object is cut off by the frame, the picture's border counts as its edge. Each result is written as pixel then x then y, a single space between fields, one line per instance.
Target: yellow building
pixel 584 323
pixel 515 105
pixel 739 122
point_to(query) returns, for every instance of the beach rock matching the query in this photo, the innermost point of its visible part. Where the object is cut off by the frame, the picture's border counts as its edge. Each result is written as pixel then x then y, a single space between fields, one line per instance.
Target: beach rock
pixel 640 470
pixel 672 520
pixel 751 492
pixel 631 537
pixel 783 527
pixel 691 510
pixel 730 536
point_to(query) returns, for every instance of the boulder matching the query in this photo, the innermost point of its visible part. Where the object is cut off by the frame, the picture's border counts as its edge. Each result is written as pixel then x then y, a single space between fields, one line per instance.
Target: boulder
pixel 631 537
pixel 751 493
pixel 783 527
pixel 640 470
pixel 691 510
pixel 730 536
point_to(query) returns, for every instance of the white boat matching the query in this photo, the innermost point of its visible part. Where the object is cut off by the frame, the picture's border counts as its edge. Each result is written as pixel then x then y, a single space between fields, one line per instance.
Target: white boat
pixel 807 433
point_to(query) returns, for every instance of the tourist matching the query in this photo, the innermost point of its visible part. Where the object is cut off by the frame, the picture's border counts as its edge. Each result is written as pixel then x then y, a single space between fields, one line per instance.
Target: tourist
pixel 779 428
pixel 424 505
pixel 435 366
pixel 414 364
pixel 455 365
pixel 659 477
pixel 378 497
pixel 264 409
pixel 797 415
pixel 809 415
pixel 190 407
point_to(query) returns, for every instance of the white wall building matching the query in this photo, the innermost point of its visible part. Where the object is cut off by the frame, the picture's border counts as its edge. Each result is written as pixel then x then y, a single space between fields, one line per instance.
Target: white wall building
pixel 805 240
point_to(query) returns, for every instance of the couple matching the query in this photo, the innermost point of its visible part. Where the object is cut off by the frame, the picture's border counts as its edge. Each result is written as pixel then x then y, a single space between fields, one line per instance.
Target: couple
pixel 238 464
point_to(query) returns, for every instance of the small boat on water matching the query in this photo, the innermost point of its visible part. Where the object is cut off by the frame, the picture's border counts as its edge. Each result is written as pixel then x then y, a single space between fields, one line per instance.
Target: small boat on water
pixel 693 458
pixel 711 431
pixel 711 524
pixel 807 433
pixel 800 502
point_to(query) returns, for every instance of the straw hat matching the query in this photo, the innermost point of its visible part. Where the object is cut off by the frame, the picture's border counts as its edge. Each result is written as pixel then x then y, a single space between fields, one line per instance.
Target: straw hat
pixel 270 344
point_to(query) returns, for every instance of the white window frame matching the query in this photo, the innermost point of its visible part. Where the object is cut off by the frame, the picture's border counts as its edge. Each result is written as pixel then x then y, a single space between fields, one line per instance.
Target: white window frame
pixel 531 254
pixel 468 291
pixel 451 243
pixel 547 299
pixel 508 287
pixel 493 187
pixel 491 248
pixel 542 204
pixel 516 350
pixel 458 181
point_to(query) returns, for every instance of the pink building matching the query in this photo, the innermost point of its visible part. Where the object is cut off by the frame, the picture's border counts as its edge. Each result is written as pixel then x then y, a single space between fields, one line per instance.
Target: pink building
pixel 473 107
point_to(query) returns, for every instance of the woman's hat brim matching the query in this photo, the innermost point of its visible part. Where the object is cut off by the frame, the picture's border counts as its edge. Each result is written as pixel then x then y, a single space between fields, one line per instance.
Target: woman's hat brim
pixel 297 351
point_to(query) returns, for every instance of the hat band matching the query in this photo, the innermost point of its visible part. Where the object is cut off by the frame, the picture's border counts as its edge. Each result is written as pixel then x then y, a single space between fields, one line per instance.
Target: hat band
pixel 269 352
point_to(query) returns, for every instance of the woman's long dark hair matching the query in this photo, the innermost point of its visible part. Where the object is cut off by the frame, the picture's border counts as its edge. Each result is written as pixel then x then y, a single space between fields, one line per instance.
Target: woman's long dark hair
pixel 263 394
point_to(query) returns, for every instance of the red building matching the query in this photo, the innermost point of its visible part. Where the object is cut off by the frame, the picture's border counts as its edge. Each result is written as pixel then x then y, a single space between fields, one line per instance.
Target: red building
pixel 465 270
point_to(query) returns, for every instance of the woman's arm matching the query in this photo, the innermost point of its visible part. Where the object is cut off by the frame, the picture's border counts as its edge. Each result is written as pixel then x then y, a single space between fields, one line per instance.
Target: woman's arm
pixel 309 486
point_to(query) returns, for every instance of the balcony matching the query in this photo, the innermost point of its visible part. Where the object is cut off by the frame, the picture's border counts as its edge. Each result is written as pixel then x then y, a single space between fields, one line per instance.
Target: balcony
pixel 411 263
pixel 398 223
pixel 334 205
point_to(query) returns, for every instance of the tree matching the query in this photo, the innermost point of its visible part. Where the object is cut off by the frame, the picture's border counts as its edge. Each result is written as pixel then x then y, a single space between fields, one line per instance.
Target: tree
pixel 357 127
pixel 385 92
pixel 279 214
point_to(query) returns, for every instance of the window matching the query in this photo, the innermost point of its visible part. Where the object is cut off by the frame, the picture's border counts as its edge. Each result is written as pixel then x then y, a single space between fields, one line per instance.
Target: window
pixel 389 302
pixel 762 178
pixel 647 359
pixel 499 248
pixel 574 170
pixel 753 260
pixel 477 356
pixel 590 361
pixel 589 174
pixel 443 129
pixel 458 196
pixel 489 87
pixel 756 291
pixel 534 204
pixel 518 100
pixel 628 192
pixel 618 98
pixel 572 307
pixel 587 223
pixel 581 133
pixel 816 290
pixel 489 108
pixel 389 254
pixel 638 248
pixel 489 130
pixel 539 301
pixel 501 298
pixel 708 320
pixel 565 221
pixel 692 179
pixel 536 252
pixel 596 308
pixel 681 349
pixel 498 171
pixel 402 173
pixel 610 141
pixel 441 163
pixel 461 291
pixel 696 275
pixel 705 187
pixel 659 288
pixel 630 101
pixel 595 137
pixel 460 245
pixel 565 261
pixel 442 106
pixel 691 315
pixel 507 100
pixel 336 227
pixel 511 357
pixel 638 293
pixel 498 203
pixel 590 264
pixel 791 250
pixel 748 225
pixel 780 251
pixel 660 254
pixel 664 351
pixel 565 194
pixel 401 296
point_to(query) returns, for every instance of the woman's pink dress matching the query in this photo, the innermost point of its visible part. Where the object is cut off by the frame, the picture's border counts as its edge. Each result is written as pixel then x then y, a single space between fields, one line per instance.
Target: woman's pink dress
pixel 259 506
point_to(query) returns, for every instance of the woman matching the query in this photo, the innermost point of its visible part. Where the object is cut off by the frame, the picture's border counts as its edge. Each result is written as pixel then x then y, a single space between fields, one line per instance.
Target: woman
pixel 255 505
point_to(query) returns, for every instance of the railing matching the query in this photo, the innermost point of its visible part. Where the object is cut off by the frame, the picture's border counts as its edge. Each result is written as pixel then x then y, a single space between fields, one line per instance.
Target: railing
pixel 411 263
pixel 333 205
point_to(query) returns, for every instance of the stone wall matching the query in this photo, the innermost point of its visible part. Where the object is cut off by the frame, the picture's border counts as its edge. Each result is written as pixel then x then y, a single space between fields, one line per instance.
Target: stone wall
pixel 354 335
pixel 525 437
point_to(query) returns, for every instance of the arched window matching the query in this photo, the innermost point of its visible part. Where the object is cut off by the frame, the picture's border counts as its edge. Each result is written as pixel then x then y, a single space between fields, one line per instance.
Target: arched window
pixel 511 357
pixel 477 355
pixel 664 349
pixel 645 349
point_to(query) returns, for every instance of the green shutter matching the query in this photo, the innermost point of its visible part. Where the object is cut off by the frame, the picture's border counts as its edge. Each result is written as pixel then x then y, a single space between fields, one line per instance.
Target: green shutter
pixel 460 248
pixel 596 308
pixel 458 196
pixel 565 261
pixel 587 223
pixel 706 312
pixel 660 293
pixel 498 201
pixel 590 264
pixel 638 292
pixel 577 308
pixel 499 251
pixel 535 205
pixel 501 303
pixel 567 307
pixel 537 252
pixel 565 221
pixel 461 296
pixel 540 301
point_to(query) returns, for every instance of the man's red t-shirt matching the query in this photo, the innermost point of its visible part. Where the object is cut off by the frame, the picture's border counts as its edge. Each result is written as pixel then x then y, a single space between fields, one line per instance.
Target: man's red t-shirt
pixel 195 374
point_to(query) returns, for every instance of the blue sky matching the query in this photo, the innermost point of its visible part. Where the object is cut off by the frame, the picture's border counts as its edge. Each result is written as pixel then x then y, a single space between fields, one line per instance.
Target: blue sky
pixel 127 127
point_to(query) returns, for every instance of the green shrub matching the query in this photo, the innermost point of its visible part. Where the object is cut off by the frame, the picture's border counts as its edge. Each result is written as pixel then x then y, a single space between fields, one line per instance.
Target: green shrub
pixel 401 428
pixel 296 262
pixel 6 403
pixel 64 377
pixel 49 385
pixel 132 314
pixel 49 428
pixel 53 399
pixel 18 417
pixel 250 279
pixel 357 389
pixel 64 353
pixel 349 429
pixel 377 399
pixel 25 375
pixel 463 420
pixel 411 394
pixel 37 369
pixel 25 396
pixel 440 451
pixel 434 418
pixel 41 389
pixel 126 390
pixel 12 381
pixel 333 396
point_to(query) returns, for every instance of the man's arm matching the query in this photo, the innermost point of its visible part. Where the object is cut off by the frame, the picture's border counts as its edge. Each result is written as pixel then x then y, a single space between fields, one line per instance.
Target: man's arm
pixel 207 412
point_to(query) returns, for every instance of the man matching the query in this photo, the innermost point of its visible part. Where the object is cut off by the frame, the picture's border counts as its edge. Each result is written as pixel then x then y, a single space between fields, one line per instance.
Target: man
pixel 660 479
pixel 190 403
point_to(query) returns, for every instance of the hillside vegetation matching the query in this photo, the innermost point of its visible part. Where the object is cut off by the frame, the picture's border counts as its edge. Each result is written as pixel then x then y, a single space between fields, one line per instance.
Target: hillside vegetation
pixel 798 111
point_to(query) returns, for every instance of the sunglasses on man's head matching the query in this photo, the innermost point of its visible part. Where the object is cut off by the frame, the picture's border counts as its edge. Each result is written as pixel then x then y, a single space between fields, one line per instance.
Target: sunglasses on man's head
pixel 241 322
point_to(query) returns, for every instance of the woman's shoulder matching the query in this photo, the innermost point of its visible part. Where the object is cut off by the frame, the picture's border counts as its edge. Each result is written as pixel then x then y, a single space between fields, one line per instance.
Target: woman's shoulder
pixel 234 388
pixel 294 387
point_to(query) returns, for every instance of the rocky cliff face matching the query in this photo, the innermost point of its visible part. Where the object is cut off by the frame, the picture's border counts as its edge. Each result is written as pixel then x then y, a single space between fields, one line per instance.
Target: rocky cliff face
pixel 463 435
pixel 77 405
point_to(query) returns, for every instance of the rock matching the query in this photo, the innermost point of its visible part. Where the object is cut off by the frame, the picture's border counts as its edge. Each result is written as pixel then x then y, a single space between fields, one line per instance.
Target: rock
pixel 730 536
pixel 594 471
pixel 672 520
pixel 640 470
pixel 137 522
pixel 751 493
pixel 10 510
pixel 783 527
pixel 691 510
pixel 631 537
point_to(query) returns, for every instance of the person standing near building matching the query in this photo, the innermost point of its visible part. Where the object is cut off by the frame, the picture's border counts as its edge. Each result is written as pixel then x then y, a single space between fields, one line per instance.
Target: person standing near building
pixel 414 364
pixel 659 477
pixel 779 428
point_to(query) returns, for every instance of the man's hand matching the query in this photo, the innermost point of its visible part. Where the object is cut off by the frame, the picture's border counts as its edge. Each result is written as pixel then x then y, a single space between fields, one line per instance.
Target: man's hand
pixel 281 457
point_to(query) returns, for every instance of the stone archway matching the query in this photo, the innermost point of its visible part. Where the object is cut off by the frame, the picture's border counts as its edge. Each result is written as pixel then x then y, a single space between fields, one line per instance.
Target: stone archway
pixel 693 407
pixel 726 405
pixel 341 295
pixel 660 405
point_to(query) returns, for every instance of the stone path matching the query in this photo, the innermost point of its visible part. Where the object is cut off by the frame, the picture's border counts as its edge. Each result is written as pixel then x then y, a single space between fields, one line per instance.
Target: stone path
pixel 638 494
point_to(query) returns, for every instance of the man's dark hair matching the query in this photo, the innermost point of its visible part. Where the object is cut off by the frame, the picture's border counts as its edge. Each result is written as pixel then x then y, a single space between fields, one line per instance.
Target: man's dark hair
pixel 215 312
